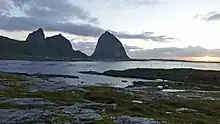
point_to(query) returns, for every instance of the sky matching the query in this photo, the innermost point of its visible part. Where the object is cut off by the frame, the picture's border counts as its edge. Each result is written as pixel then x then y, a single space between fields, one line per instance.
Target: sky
pixel 148 28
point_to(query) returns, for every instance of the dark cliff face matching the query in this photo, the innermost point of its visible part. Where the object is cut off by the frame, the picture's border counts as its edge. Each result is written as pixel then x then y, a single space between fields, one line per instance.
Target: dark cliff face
pixel 36 36
pixel 37 45
pixel 109 48
pixel 58 45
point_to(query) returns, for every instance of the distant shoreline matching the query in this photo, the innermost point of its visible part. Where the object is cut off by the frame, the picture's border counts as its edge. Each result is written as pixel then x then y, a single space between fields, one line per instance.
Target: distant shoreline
pixel 90 60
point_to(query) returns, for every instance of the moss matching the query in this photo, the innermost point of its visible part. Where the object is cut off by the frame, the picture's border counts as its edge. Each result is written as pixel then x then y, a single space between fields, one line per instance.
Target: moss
pixel 207 111
pixel 12 77
pixel 104 122
pixel 10 106
pixel 61 118
pixel 183 75
pixel 7 106
pixel 104 94
pixel 61 98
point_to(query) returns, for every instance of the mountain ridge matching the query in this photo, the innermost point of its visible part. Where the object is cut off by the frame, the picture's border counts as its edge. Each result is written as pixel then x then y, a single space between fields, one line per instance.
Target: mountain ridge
pixel 39 47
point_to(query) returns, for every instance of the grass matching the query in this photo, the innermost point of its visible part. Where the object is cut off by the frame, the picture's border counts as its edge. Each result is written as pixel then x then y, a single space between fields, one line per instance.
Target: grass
pixel 61 118
pixel 11 77
pixel 104 94
pixel 104 122
pixel 207 110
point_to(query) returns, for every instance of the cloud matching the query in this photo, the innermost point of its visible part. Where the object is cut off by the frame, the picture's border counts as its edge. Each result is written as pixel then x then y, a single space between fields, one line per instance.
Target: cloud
pixel 57 15
pixel 156 53
pixel 212 16
pixel 31 23
pixel 86 47
pixel 89 47
pixel 140 2
pixel 5 7
pixel 144 36
pixel 147 2
pixel 53 10
pixel 173 52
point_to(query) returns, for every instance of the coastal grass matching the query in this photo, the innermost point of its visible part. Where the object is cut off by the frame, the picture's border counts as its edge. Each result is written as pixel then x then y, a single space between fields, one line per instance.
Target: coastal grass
pixel 5 76
pixel 206 111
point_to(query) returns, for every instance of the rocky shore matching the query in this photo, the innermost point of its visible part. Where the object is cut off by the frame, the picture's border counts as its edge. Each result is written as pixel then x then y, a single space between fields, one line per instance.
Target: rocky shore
pixel 26 98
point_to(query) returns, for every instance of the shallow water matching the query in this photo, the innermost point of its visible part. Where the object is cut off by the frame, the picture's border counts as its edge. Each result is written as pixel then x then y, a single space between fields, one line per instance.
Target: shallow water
pixel 72 68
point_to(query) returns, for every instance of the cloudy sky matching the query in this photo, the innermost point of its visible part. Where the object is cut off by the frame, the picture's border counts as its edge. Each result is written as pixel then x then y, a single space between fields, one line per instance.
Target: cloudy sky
pixel 147 28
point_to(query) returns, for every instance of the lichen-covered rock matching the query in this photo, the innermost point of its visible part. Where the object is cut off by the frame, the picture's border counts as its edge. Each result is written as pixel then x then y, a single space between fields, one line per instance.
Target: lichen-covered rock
pixel 16 116
pixel 88 117
pixel 27 101
pixel 82 114
pixel 50 86
pixel 135 120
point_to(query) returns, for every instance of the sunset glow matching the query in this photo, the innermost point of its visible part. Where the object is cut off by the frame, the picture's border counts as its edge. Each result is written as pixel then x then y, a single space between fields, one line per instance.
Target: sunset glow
pixel 207 59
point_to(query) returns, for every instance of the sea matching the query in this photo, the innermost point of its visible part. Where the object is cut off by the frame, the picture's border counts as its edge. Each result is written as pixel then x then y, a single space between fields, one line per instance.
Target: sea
pixel 72 68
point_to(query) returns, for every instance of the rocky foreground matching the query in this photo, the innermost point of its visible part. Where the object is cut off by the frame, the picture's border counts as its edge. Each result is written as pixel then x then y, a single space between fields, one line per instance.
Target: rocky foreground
pixel 34 99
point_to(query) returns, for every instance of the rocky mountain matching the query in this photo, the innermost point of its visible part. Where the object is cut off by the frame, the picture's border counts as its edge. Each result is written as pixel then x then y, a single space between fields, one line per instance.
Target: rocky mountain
pixel 37 36
pixel 37 46
pixel 109 48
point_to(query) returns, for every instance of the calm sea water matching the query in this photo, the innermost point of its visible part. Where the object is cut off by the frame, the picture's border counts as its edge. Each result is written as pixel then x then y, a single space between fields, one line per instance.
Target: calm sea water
pixel 72 68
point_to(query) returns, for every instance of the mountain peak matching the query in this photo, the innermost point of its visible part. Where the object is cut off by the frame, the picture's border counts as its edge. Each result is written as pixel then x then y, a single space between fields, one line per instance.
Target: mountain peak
pixel 40 30
pixel 36 36
pixel 109 48
pixel 107 32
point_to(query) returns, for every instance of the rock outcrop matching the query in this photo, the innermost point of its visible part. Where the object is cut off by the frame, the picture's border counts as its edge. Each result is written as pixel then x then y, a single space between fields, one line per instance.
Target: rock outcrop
pixel 37 36
pixel 109 48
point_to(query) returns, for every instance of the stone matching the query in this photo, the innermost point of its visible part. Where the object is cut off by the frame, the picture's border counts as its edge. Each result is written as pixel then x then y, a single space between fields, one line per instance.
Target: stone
pixel 88 117
pixel 16 116
pixel 27 101
pixel 135 120
pixel 82 114
pixel 185 109
pixel 51 86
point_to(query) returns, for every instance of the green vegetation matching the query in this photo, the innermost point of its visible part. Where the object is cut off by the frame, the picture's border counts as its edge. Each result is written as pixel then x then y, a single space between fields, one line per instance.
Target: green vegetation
pixel 104 122
pixel 206 111
pixel 181 75
pixel 4 76
pixel 45 76
pixel 61 118
pixel 153 106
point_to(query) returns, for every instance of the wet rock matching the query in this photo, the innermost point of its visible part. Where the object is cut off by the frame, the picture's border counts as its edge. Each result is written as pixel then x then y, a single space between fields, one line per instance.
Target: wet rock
pixel 135 120
pixel 27 101
pixel 16 116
